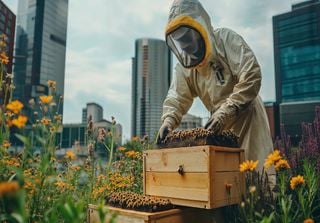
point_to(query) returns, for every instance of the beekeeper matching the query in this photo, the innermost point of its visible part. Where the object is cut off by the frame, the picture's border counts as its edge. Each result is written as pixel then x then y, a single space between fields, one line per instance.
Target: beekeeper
pixel 217 66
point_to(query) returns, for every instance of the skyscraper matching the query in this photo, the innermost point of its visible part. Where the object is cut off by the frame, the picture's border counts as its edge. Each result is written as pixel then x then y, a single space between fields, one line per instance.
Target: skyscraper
pixel 40 47
pixel 151 76
pixel 297 63
pixel 7 27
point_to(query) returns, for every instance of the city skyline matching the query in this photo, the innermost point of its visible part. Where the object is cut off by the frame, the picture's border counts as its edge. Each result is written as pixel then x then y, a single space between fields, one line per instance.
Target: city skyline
pixel 100 46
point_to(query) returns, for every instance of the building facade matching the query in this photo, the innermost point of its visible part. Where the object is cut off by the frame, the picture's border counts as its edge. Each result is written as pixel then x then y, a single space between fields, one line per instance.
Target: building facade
pixel 94 110
pixel 189 121
pixel 40 48
pixel 7 27
pixel 297 62
pixel 151 76
pixel 75 134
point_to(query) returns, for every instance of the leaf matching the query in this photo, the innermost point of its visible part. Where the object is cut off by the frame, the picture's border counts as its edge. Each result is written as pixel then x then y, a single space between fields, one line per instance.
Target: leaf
pixel 23 139
pixel 17 217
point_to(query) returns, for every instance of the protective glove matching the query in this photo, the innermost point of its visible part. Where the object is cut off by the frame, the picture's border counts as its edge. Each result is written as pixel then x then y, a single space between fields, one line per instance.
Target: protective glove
pixel 164 130
pixel 216 122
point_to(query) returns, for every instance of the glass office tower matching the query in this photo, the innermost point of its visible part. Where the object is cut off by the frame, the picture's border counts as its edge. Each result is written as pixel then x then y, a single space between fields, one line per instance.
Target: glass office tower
pixel 297 53
pixel 151 76
pixel 297 64
pixel 40 47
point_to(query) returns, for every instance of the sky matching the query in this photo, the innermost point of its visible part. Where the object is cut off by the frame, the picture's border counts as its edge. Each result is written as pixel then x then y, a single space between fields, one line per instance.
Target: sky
pixel 100 45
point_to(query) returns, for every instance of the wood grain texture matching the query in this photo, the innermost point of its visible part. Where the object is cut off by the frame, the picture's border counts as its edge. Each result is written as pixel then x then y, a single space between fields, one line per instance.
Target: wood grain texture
pixel 178 215
pixel 207 171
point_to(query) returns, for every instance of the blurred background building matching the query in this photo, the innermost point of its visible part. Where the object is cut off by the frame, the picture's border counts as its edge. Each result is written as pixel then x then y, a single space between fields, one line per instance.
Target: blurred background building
pixel 74 135
pixel 189 121
pixel 7 27
pixel 40 48
pixel 297 64
pixel 151 76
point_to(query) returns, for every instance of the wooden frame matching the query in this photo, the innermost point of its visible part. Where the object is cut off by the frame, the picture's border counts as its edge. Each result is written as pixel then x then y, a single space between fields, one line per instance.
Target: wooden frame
pixel 178 215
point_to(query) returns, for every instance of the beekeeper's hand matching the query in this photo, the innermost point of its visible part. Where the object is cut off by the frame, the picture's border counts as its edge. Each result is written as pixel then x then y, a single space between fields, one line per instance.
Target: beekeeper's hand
pixel 216 123
pixel 164 130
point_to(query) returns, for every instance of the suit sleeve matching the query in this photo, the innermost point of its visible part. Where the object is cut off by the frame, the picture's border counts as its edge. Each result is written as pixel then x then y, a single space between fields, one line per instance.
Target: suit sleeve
pixel 178 100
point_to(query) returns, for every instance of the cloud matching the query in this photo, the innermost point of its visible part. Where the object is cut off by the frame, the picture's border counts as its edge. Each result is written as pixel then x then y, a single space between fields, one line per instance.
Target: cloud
pixel 90 79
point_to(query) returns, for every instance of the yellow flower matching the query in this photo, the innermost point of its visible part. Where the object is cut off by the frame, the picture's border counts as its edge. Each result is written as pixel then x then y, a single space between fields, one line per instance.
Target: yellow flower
pixel 8 188
pixel 51 83
pixel 45 121
pixel 248 165
pixel 10 161
pixel 296 181
pixel 6 144
pixel 309 220
pixel 75 168
pixel 122 149
pixel 282 164
pixel 58 118
pixel 132 154
pixel 46 99
pixel 252 189
pixel 20 122
pixel 15 106
pixel 272 159
pixel 70 155
pixel 2 44
pixel 4 58
pixel 62 185
pixel 28 185
pixel 135 139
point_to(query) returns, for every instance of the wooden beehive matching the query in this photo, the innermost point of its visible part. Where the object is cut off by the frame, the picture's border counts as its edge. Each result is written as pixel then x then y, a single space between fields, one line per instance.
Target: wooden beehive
pixel 200 176
pixel 185 215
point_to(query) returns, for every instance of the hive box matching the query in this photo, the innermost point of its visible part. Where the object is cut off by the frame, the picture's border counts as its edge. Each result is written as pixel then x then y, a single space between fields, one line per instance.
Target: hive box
pixel 201 176
pixel 178 215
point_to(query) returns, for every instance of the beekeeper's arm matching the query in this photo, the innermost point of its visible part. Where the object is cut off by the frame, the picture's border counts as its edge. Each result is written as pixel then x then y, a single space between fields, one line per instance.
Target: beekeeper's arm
pixel 244 66
pixel 177 103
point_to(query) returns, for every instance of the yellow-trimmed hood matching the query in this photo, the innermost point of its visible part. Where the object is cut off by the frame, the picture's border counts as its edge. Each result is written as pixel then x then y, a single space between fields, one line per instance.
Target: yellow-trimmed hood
pixel 191 13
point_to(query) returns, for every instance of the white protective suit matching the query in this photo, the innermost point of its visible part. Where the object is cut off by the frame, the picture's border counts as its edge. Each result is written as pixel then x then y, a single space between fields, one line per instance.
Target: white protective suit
pixel 227 81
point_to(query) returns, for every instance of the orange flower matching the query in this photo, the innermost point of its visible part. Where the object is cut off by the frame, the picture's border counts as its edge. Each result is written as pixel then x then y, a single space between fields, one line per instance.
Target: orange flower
pixel 20 122
pixel 62 185
pixel 122 149
pixel 4 58
pixel 132 154
pixel 15 106
pixel 272 159
pixel 296 181
pixel 6 144
pixel 309 220
pixel 51 83
pixel 45 121
pixel 248 165
pixel 46 99
pixel 8 188
pixel 70 155
pixel 75 168
pixel 282 164
pixel 135 139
